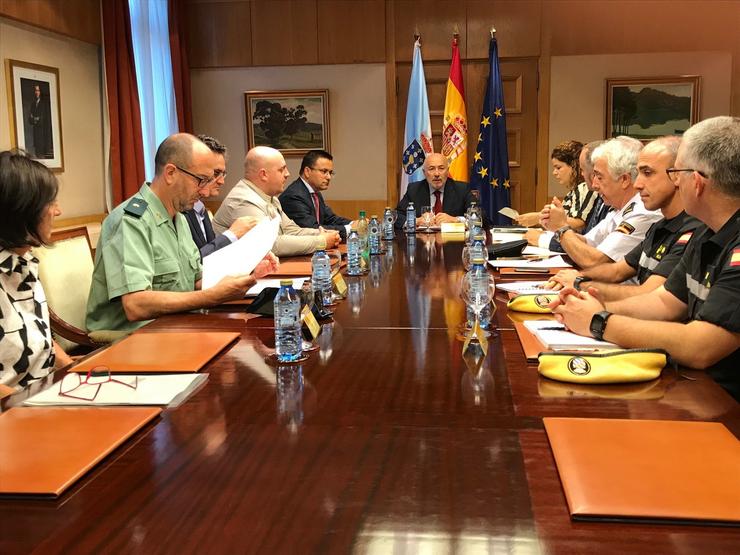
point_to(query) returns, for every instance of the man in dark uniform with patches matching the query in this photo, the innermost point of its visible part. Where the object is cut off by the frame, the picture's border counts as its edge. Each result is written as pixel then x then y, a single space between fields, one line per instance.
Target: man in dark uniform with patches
pixel 646 267
pixel 696 315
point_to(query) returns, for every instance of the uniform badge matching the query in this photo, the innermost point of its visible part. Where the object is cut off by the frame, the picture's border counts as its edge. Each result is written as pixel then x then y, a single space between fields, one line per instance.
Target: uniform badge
pixel 735 258
pixel 579 366
pixel 629 208
pixel 543 301
pixel 626 228
pixel 660 251
pixel 684 238
pixel 136 207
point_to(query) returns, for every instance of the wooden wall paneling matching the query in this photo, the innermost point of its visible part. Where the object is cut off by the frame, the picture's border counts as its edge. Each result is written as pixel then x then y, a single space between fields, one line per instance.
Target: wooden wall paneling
pixel 284 32
pixel 435 20
pixel 351 32
pixel 517 24
pixel 393 132
pixel 79 19
pixel 217 34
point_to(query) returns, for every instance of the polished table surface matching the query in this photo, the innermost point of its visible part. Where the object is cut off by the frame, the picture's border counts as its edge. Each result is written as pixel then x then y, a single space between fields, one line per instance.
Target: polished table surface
pixel 383 441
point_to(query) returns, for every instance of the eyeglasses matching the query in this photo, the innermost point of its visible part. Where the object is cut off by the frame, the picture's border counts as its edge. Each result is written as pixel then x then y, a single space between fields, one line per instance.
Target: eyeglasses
pixel 202 180
pixel 672 172
pixel 324 172
pixel 74 387
pixel 219 173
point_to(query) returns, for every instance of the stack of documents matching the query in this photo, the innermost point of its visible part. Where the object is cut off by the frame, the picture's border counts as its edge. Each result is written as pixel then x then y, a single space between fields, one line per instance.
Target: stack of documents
pixel 554 262
pixel 523 287
pixel 555 337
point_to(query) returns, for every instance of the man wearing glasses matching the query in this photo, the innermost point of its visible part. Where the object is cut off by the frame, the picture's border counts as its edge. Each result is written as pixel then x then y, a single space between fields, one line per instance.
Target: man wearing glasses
pixel 302 200
pixel 695 316
pixel 199 220
pixel 146 262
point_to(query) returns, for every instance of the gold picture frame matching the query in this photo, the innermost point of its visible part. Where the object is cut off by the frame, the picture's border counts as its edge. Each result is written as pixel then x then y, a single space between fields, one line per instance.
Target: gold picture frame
pixel 292 121
pixel 649 107
pixel 34 110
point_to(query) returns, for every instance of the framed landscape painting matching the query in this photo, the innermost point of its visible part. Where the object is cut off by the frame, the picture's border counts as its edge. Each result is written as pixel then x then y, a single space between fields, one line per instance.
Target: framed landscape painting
pixel 646 108
pixel 293 122
pixel 36 126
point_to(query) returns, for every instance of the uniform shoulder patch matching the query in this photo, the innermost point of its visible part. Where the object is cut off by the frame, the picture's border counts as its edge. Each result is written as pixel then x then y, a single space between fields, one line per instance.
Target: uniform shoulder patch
pixel 629 208
pixel 626 228
pixel 735 258
pixel 136 207
pixel 684 238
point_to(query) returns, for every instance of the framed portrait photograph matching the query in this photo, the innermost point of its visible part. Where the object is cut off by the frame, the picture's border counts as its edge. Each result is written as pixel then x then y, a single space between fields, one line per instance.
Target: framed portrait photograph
pixel 646 108
pixel 35 121
pixel 293 122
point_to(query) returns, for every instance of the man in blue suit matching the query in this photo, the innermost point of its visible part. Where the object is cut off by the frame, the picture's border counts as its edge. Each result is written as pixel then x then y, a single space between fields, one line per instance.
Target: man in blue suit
pixel 449 199
pixel 199 221
pixel 302 200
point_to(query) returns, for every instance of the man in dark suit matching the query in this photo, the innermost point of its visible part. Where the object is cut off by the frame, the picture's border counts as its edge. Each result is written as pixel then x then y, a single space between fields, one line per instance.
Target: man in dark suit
pixel 199 221
pixel 302 200
pixel 449 199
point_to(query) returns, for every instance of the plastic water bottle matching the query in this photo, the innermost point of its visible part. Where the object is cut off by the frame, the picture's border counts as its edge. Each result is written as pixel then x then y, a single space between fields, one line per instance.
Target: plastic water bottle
pixel 354 254
pixel 373 232
pixel 475 226
pixel 321 276
pixel 362 225
pixel 288 339
pixel 388 232
pixel 478 248
pixel 411 218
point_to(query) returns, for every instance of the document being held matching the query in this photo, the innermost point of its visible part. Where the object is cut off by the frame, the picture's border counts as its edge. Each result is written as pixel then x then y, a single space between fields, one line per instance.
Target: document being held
pixel 242 256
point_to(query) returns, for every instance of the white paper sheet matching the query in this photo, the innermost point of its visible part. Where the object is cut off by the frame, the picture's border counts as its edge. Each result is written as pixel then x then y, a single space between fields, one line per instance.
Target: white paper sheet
pixel 523 287
pixel 538 251
pixel 506 237
pixel 151 389
pixel 555 337
pixel 509 212
pixel 265 283
pixel 240 257
pixel 554 262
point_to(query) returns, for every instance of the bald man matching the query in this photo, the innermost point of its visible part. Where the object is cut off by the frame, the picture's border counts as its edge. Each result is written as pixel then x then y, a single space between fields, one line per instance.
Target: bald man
pixel 265 174
pixel 449 199
pixel 146 263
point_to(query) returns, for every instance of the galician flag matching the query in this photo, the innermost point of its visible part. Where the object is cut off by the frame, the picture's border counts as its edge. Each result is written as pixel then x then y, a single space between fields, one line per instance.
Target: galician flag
pixel 418 134
pixel 455 122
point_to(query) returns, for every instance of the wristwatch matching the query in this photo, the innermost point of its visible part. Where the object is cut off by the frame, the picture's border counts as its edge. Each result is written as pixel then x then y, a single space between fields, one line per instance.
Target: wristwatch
pixel 598 324
pixel 560 231
pixel 579 280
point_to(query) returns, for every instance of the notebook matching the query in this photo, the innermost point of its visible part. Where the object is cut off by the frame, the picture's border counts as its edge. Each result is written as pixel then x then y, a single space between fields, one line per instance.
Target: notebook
pixel 647 470
pixel 44 450
pixel 160 352
pixel 555 337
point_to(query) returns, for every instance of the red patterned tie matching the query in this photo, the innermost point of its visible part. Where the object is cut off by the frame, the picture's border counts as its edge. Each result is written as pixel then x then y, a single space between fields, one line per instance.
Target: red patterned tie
pixel 316 207
pixel 438 202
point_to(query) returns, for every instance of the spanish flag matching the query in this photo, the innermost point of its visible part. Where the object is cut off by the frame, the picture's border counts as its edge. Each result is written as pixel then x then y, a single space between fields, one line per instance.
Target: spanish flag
pixel 455 122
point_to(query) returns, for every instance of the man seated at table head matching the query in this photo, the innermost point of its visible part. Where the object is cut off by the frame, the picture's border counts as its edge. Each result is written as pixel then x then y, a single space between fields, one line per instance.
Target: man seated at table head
pixel 615 170
pixel 256 195
pixel 199 220
pixel 695 316
pixel 449 199
pixel 649 263
pixel 146 263
pixel 302 200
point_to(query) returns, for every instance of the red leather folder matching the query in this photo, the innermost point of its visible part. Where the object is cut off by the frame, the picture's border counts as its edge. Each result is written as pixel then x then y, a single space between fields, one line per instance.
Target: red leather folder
pixel 44 450
pixel 160 352
pixel 647 470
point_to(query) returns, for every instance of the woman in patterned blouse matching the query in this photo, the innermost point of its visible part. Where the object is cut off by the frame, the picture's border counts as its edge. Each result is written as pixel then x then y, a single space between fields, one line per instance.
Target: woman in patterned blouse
pixel 28 206
pixel 579 200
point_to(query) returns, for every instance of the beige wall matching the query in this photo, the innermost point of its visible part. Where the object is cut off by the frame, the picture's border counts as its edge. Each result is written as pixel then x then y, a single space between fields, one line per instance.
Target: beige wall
pixel 577 93
pixel 357 118
pixel 81 191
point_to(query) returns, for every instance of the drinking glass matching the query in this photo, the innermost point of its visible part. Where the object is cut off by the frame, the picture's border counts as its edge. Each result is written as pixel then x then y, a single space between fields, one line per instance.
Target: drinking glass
pixel 475 296
pixel 427 215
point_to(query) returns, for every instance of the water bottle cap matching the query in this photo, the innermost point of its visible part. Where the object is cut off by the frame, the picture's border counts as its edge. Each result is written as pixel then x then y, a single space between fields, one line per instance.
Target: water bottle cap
pixel 286 282
pixel 387 207
pixel 362 214
pixel 374 216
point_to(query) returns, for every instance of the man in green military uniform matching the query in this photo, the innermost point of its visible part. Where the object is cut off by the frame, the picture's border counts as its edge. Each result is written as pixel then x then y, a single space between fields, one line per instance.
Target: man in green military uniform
pixel 146 263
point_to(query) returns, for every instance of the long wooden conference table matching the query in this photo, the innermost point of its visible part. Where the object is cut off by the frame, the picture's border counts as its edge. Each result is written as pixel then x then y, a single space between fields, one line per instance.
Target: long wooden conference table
pixel 391 445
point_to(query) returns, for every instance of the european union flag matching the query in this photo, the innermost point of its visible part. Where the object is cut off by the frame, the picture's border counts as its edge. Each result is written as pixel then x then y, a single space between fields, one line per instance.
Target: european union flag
pixel 490 172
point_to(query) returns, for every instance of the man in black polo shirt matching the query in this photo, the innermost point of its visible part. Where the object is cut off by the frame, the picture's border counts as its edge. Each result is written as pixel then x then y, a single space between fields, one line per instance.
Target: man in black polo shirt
pixel 696 315
pixel 647 266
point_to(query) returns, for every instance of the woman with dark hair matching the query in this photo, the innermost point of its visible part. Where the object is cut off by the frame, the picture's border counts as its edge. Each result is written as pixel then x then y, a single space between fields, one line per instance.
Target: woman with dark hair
pixel 28 206
pixel 579 199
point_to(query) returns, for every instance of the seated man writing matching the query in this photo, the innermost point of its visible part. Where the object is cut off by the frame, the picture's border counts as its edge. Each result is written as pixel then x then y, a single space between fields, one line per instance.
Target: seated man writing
pixel 695 316
pixel 448 199
pixel 651 261
pixel 256 195
pixel 146 263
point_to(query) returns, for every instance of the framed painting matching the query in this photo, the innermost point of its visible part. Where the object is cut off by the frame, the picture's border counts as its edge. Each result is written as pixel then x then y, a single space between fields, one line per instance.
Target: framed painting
pixel 646 108
pixel 35 109
pixel 293 122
